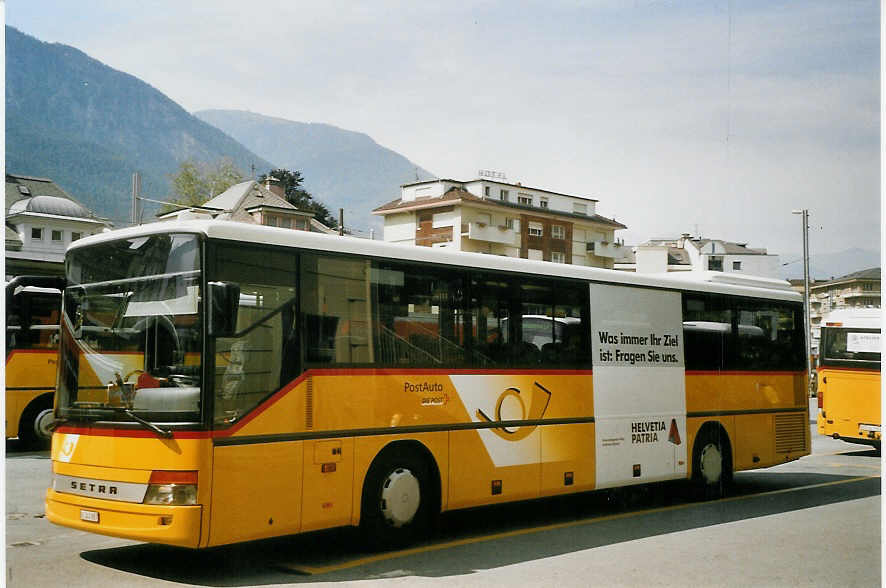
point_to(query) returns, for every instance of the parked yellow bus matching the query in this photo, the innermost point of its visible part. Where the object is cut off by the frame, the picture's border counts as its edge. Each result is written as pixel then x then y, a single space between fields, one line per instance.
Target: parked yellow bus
pixel 224 382
pixel 849 376
pixel 33 304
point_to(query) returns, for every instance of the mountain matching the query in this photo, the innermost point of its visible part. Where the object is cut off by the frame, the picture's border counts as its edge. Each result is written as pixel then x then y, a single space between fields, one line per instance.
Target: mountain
pixel 88 127
pixel 341 168
pixel 824 266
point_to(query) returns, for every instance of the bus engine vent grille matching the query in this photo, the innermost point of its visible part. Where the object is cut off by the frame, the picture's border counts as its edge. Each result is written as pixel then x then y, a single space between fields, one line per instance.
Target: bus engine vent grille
pixel 790 433
pixel 309 403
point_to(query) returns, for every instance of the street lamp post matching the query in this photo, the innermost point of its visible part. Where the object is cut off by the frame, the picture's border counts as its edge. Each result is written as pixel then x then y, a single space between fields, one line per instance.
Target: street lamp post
pixel 808 323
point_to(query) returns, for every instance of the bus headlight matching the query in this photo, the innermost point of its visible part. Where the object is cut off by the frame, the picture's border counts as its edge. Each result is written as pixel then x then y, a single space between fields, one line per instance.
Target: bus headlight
pixel 172 488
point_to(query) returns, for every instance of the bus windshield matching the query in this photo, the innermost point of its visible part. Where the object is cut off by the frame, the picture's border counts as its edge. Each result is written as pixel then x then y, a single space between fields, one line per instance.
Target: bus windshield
pixel 32 319
pixel 131 334
pixel 850 346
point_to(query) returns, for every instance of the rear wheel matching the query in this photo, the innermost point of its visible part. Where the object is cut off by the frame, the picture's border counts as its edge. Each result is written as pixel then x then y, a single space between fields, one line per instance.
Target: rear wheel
pixel 712 463
pixel 35 427
pixel 396 505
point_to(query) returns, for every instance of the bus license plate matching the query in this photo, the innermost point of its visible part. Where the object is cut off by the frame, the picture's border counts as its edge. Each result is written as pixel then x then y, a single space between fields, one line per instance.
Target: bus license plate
pixel 89 515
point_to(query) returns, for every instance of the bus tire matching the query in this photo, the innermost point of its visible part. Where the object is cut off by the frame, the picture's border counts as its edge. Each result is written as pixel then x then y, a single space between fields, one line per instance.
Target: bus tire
pixel 711 463
pixel 396 504
pixel 34 430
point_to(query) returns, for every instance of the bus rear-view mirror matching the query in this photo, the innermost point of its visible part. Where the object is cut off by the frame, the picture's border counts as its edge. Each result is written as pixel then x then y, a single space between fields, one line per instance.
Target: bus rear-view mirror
pixel 224 301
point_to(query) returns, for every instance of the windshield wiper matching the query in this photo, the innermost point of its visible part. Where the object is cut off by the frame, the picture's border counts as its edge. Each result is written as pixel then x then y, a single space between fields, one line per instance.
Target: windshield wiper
pixel 165 433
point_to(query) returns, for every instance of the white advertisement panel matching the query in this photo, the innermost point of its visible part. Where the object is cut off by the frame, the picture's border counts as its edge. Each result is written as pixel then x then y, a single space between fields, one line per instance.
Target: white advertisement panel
pixel 639 385
pixel 863 342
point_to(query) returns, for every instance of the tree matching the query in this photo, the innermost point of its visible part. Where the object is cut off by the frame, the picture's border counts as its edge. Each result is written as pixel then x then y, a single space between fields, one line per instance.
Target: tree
pixel 196 181
pixel 291 182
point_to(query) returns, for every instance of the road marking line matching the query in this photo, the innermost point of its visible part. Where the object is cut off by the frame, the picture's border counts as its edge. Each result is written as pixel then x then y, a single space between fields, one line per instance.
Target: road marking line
pixel 318 570
pixel 852 465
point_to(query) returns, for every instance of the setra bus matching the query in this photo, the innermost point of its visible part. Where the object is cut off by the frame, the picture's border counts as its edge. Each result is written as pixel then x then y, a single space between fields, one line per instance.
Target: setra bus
pixel 849 376
pixel 222 382
pixel 33 304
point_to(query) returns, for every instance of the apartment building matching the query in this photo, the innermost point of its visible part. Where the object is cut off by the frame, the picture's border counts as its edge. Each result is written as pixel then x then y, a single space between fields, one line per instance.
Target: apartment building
pixel 490 216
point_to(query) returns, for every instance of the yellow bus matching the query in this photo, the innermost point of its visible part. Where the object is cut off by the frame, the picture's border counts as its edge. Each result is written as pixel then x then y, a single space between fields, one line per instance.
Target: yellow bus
pixel 849 376
pixel 33 304
pixel 223 382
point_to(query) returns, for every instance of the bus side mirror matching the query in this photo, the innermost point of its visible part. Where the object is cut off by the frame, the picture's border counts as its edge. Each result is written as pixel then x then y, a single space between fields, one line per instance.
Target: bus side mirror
pixel 224 301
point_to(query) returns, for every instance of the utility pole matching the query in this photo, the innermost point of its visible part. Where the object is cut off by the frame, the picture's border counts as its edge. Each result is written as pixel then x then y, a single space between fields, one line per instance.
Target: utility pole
pixel 136 196
pixel 341 221
pixel 804 213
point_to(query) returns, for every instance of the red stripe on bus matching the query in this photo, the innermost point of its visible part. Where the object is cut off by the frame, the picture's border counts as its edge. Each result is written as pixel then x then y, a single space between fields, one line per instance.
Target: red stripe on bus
pixel 128 433
pixel 827 368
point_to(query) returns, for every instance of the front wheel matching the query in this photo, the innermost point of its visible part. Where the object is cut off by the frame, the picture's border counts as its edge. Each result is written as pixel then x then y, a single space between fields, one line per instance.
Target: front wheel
pixel 396 504
pixel 712 464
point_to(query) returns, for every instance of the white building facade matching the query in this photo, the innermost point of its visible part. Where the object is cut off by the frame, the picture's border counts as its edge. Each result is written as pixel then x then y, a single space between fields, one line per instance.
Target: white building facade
pixel 689 253
pixel 498 218
pixel 41 221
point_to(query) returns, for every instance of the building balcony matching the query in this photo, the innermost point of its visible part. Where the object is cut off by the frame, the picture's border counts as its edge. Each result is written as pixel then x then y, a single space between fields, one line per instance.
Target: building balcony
pixel 489 233
pixel 603 248
pixel 861 294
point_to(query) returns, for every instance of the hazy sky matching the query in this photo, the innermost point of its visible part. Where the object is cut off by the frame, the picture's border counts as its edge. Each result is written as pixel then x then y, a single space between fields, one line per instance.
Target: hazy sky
pixel 710 116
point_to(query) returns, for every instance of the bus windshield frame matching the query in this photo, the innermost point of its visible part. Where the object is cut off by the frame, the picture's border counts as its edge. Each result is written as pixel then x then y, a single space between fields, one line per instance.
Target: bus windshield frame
pixel 132 333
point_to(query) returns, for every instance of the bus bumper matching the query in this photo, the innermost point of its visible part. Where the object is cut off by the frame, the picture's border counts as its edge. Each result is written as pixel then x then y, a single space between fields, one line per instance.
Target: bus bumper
pixel 171 525
pixel 869 431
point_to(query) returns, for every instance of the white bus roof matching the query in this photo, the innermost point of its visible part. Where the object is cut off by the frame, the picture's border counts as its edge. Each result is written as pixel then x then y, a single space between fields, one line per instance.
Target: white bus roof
pixel 714 282
pixel 859 318
pixel 36 290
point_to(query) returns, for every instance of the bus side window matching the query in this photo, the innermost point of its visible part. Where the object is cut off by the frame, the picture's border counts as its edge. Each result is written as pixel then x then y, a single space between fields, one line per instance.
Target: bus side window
pixel 707 332
pixel 262 355
pixel 523 323
pixel 419 315
pixel 335 303
pixel 770 336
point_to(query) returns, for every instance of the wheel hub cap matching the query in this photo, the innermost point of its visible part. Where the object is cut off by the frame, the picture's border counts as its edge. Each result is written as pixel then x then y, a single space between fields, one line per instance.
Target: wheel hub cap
pixel 42 424
pixel 711 463
pixel 400 497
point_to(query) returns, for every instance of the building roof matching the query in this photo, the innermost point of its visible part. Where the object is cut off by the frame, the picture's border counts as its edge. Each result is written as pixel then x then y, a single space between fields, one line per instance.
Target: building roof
pixel 230 198
pixel 677 256
pixel 54 205
pixel 236 202
pixel 729 247
pixel 44 197
pixel 457 195
pixel 866 274
pixel 490 181
pixel 451 196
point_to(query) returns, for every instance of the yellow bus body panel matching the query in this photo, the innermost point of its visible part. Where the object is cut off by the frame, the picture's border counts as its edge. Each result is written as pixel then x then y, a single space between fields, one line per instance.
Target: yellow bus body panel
pixel 299 461
pixel 765 414
pixel 34 369
pixel 256 491
pixel 849 398
pixel 130 459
